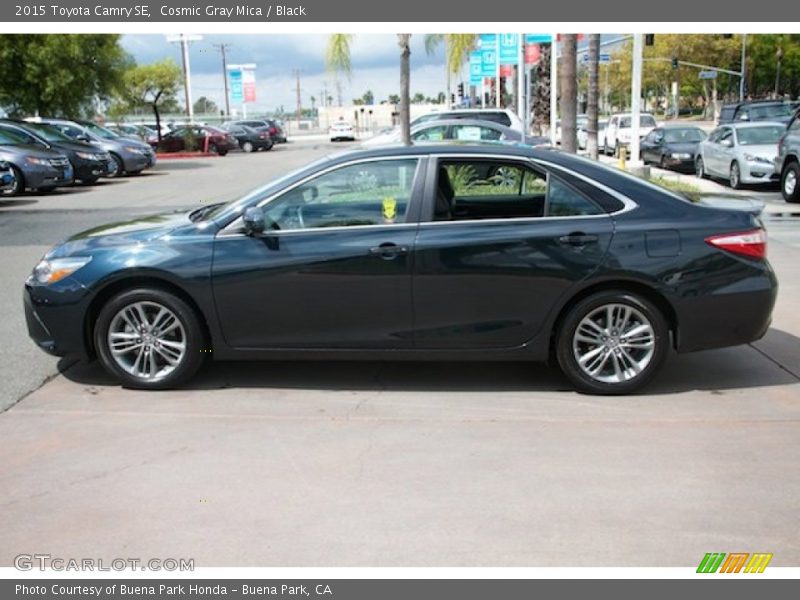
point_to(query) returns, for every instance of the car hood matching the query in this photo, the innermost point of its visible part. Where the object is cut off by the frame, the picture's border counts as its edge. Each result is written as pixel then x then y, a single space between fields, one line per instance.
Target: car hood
pixel 768 151
pixel 77 146
pixel 122 233
pixel 681 147
pixel 30 150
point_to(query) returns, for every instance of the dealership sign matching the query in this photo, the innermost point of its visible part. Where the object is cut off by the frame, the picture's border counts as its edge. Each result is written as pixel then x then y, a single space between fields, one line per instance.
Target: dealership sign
pixel 242 82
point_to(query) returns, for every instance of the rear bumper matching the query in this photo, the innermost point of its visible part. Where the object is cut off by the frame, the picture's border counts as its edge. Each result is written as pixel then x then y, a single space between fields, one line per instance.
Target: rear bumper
pixel 740 314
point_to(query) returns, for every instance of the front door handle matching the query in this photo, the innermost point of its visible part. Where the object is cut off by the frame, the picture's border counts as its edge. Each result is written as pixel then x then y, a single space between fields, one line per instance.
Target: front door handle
pixel 577 238
pixel 388 250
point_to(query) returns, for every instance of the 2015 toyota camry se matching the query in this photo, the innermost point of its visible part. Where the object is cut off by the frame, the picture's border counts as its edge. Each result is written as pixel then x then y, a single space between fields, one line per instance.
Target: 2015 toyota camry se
pixel 457 252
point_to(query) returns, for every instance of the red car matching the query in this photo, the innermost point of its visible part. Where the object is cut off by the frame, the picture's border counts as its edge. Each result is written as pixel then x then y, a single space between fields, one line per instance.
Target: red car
pixel 206 138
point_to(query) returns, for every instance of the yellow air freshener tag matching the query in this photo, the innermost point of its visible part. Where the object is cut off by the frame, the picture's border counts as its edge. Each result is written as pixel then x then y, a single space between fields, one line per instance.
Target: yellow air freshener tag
pixel 389 210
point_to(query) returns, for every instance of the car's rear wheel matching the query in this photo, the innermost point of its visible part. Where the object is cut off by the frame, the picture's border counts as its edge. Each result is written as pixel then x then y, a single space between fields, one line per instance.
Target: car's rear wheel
pixel 789 182
pixel 247 146
pixel 149 339
pixel 735 177
pixel 612 342
pixel 700 168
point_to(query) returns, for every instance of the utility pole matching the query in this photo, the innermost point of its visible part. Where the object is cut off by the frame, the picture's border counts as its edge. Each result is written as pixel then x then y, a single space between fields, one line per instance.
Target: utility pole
pixel 223 48
pixel 184 40
pixel 743 67
pixel 636 94
pixel 299 101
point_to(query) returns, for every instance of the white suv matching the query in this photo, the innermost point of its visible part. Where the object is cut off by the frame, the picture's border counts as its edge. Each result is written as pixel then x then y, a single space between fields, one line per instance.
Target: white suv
pixel 618 131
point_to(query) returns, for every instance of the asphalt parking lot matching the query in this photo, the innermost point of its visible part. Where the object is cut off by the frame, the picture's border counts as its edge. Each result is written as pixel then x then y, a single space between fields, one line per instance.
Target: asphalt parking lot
pixel 378 464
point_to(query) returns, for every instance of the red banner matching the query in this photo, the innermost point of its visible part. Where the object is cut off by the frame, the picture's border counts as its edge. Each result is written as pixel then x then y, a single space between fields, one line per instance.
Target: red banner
pixel 533 54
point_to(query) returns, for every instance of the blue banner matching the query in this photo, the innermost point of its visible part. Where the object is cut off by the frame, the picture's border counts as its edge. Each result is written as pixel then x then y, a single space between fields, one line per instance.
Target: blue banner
pixel 509 48
pixel 475 68
pixel 236 87
pixel 538 38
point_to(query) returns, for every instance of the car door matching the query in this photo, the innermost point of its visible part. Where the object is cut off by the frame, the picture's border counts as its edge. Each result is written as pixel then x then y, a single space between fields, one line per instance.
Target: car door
pixel 611 133
pixel 333 267
pixel 725 151
pixel 711 151
pixel 500 243
pixel 651 145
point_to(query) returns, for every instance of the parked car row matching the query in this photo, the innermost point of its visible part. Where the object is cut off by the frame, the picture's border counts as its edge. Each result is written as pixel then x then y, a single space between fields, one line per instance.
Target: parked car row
pixel 42 154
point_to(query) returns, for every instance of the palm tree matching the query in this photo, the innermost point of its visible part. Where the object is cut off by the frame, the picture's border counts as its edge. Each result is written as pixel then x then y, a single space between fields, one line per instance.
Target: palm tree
pixel 569 91
pixel 593 95
pixel 337 59
pixel 457 48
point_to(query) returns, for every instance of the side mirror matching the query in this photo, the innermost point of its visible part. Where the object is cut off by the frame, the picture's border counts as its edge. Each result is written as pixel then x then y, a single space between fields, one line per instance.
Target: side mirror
pixel 728 143
pixel 253 220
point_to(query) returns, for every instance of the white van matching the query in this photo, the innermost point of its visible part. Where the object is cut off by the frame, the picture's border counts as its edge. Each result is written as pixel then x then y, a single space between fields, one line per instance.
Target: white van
pixel 618 131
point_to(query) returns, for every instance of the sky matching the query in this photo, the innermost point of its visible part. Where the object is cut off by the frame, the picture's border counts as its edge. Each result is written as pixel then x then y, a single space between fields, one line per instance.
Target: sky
pixel 375 66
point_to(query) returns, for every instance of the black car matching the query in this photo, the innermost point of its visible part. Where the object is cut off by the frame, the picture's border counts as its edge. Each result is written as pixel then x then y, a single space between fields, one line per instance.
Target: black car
pixel 672 147
pixel 35 166
pixel 411 253
pixel 758 110
pixel 89 161
pixel 275 130
pixel 250 138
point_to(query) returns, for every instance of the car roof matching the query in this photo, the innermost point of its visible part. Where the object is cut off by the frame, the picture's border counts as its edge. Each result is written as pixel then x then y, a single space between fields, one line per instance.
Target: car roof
pixel 753 103
pixel 462 122
pixel 751 124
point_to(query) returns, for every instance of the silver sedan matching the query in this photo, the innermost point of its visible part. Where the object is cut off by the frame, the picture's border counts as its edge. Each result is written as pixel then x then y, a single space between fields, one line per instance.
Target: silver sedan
pixel 741 153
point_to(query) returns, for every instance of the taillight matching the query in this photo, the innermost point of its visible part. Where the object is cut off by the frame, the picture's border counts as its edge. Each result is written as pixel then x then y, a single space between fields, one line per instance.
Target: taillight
pixel 273 130
pixel 747 243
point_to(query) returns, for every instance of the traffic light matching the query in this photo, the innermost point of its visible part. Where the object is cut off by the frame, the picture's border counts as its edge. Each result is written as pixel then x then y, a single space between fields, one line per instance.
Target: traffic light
pixel 649 39
pixel 674 62
pixel 460 90
pixel 452 99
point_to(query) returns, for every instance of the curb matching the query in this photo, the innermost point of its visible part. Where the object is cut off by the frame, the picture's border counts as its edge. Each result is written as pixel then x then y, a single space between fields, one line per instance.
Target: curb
pixel 169 155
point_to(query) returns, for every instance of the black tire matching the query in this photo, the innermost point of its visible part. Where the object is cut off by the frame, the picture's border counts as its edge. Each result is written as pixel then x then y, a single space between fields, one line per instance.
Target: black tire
pixel 194 338
pixel 565 352
pixel 222 152
pixel 735 176
pixel 120 170
pixel 247 146
pixel 792 170
pixel 268 146
pixel 46 189
pixel 212 149
pixel 700 168
pixel 663 162
pixel 19 183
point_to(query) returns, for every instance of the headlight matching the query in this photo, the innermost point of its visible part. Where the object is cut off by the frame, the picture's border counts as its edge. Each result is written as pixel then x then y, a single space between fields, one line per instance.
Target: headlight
pixel 32 160
pixel 135 149
pixel 758 159
pixel 56 269
pixel 88 156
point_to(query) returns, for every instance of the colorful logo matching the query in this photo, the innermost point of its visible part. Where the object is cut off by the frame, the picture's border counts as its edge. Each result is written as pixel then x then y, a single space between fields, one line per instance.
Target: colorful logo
pixel 736 562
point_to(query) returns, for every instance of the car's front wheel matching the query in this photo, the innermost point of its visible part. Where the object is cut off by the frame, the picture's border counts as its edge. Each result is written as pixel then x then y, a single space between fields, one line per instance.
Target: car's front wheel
pixel 149 339
pixel 247 146
pixel 789 182
pixel 735 177
pixel 700 168
pixel 612 342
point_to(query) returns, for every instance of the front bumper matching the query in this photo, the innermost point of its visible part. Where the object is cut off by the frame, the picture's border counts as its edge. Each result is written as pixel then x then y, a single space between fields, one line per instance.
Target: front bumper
pixel 55 327
pixel 41 176
pixel 92 169
pixel 138 162
pixel 754 173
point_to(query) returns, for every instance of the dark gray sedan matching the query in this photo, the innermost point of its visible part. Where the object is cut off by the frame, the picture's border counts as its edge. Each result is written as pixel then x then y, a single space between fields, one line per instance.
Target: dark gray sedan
pixel 461 130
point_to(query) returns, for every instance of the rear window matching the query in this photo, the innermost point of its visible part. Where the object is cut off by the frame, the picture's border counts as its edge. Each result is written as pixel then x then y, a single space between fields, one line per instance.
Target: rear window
pixel 488 115
pixel 644 121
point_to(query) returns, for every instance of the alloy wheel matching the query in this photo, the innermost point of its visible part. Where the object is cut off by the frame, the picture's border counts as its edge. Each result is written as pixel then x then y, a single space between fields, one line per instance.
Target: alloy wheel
pixel 614 343
pixel 147 340
pixel 789 183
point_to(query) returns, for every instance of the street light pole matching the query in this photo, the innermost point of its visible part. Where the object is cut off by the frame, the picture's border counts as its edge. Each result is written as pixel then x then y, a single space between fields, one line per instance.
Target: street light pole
pixel 553 88
pixel 779 56
pixel 744 67
pixel 184 40
pixel 636 94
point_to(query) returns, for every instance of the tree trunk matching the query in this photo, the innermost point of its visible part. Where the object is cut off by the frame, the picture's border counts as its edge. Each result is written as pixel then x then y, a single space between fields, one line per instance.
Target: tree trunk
pixel 594 94
pixel 405 87
pixel 568 83
pixel 158 116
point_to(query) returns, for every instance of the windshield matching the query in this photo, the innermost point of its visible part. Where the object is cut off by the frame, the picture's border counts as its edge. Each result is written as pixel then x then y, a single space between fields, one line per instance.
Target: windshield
pixel 770 111
pixel 7 138
pixel 100 131
pixel 644 121
pixel 49 133
pixel 683 136
pixel 754 136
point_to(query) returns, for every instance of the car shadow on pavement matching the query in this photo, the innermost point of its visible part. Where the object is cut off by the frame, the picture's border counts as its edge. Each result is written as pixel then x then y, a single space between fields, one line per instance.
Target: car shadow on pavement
pixel 173 164
pixel 15 202
pixel 714 370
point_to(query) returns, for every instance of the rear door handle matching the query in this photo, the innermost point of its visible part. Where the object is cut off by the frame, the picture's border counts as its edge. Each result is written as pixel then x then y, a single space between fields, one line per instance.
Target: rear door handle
pixel 388 250
pixel 577 239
